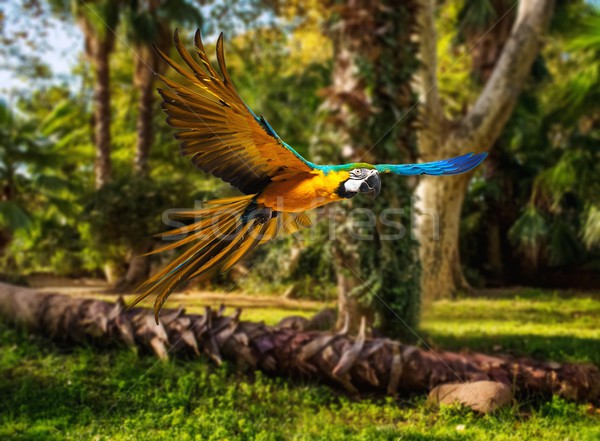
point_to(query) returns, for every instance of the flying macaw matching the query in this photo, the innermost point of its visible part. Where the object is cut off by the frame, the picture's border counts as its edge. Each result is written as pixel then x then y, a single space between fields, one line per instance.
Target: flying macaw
pixel 222 136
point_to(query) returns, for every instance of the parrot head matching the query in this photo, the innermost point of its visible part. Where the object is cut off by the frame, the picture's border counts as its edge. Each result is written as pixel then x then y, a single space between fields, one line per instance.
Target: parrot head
pixel 361 180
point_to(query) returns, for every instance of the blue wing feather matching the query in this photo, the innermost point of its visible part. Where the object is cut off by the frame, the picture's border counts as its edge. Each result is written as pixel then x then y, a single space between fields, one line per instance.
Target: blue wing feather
pixel 267 128
pixel 451 166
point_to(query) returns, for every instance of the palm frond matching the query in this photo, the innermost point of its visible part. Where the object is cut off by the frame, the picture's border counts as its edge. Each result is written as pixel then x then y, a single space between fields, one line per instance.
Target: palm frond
pixel 13 216
pixel 591 227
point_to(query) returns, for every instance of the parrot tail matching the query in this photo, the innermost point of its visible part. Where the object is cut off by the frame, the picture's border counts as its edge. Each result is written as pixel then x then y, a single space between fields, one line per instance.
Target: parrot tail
pixel 223 233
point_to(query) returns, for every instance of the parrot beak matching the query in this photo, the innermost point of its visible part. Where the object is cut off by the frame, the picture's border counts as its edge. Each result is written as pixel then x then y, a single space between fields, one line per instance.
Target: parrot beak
pixel 371 184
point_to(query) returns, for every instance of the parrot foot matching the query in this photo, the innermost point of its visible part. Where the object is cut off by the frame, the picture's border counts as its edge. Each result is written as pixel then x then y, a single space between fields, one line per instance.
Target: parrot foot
pixel 260 215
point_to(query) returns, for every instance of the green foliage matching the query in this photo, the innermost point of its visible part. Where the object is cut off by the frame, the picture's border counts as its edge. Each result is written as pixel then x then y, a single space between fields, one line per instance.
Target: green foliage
pixel 579 89
pixel 147 24
pixel 37 199
pixel 50 246
pixel 477 16
pixel 591 229
pixel 564 246
pixel 315 275
pixel 43 185
pixel 280 60
pixel 20 153
pixel 123 214
pixel 12 216
pixel 296 263
pixel 261 64
pixel 546 160
pixel 51 392
pixel 529 231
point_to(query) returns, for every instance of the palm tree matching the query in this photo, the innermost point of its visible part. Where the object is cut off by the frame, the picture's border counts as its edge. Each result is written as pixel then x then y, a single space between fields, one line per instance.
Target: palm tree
pixel 358 364
pixel 18 144
pixel 98 21
pixel 27 173
pixel 374 60
pixel 485 26
pixel 148 23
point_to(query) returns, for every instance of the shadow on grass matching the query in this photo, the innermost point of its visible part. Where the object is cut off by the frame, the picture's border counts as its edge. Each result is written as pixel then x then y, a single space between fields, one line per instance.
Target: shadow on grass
pixel 550 348
pixel 531 294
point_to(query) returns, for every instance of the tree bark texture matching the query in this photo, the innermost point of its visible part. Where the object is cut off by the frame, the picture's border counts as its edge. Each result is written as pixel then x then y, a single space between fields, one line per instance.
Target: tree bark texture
pixel 98 47
pixel 103 165
pixel 147 65
pixel 138 268
pixel 359 364
pixel 438 205
pixel 373 66
pixel 441 199
pixel 346 97
pixel 145 82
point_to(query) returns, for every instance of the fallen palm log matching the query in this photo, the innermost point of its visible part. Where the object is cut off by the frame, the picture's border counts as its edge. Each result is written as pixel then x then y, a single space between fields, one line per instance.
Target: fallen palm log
pixel 359 364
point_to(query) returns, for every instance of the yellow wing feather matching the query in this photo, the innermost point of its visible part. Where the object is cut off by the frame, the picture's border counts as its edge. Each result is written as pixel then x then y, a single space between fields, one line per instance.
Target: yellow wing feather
pixel 216 128
pixel 226 232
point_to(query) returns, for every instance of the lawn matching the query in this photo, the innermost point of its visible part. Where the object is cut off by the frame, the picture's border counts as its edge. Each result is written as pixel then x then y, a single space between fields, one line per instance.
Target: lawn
pixel 51 392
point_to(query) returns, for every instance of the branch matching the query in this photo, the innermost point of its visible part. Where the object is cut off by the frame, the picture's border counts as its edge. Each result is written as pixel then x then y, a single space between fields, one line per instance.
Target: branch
pixel 360 365
pixel 430 107
pixel 484 123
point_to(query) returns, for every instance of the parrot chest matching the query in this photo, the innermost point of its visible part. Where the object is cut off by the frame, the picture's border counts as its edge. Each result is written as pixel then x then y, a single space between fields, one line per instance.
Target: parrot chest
pixel 302 192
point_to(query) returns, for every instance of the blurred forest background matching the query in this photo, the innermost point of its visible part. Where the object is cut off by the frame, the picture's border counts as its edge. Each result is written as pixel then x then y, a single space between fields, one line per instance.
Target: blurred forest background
pixel 88 165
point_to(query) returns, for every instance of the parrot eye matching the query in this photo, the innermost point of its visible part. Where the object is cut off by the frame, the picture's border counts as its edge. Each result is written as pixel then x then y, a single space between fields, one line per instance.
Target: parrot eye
pixel 358 173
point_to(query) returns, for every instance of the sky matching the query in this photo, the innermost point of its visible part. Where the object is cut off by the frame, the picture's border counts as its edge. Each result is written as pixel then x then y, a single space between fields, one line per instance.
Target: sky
pixel 61 53
pixel 61 50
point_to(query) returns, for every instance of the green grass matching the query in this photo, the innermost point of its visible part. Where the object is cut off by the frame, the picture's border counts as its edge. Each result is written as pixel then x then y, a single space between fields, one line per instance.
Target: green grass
pixel 540 324
pixel 51 392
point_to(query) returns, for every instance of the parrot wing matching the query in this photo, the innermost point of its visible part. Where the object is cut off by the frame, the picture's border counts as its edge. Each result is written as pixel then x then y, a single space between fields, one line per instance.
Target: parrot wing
pixel 220 134
pixel 451 166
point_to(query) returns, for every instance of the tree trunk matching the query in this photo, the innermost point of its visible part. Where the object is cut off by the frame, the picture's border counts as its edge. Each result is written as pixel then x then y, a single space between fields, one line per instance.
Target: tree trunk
pixel 137 271
pixel 350 307
pixel 346 85
pixel 439 204
pixel 374 60
pixel 98 47
pixel 360 365
pixel 441 198
pixel 112 272
pixel 145 135
pixel 138 268
pixel 102 113
pixel 147 65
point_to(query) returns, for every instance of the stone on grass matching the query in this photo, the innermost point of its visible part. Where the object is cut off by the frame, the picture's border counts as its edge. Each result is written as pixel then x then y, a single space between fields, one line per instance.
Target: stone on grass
pixel 481 396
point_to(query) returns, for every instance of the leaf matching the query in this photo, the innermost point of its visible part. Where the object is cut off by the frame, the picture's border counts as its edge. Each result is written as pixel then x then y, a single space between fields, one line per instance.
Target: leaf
pixel 591 228
pixel 13 216
pixel 530 229
pixel 51 183
pixel 60 118
pixel 563 246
